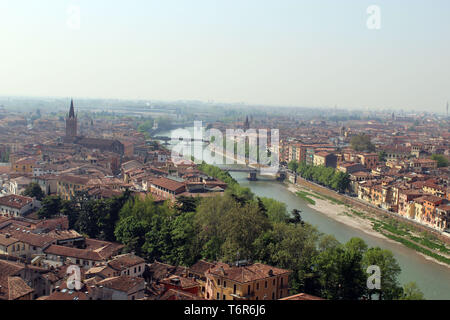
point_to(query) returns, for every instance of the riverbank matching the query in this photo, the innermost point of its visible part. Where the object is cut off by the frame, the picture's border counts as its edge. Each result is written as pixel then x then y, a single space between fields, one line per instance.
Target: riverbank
pixel 432 278
pixel 370 224
pixel 368 220
pixel 339 213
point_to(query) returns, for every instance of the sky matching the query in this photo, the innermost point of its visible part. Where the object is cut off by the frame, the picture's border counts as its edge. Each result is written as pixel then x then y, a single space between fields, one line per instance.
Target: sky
pixel 316 53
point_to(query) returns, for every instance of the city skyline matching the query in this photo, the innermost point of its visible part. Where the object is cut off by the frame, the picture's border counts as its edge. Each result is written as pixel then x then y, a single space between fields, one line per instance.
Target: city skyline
pixel 259 53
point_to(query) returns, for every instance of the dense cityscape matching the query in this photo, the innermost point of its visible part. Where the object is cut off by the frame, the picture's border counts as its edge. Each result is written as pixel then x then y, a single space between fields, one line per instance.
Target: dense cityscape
pixel 224 159
pixel 101 191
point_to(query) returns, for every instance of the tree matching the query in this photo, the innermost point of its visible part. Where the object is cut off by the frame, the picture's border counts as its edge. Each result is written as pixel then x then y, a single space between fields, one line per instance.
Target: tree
pixel 228 225
pixel 411 292
pixel 187 249
pixel 131 232
pixel 4 156
pixel 90 217
pixel 33 190
pixel 296 217
pixel 352 273
pixel 362 142
pixel 240 227
pixel 293 247
pixel 442 161
pixel 71 210
pixel 325 176
pixel 382 156
pixel 340 181
pixel 50 206
pixel 108 223
pixel 186 204
pixel 276 210
pixel 390 270
pixel 293 165
pixel 339 269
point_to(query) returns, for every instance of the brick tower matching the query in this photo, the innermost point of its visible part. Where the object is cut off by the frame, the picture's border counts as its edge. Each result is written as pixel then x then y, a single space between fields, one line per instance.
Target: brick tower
pixel 71 123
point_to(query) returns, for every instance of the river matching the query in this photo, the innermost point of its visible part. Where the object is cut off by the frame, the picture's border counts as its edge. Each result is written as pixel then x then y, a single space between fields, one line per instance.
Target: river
pixel 432 278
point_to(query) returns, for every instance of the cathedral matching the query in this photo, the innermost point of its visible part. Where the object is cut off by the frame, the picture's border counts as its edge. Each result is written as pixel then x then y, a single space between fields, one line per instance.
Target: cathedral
pixel 91 143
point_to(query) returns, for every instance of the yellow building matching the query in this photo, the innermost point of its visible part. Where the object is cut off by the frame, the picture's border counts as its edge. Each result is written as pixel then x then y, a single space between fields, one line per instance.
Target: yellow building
pixel 11 246
pixel 23 165
pixel 434 189
pixel 68 185
pixel 418 209
pixel 246 282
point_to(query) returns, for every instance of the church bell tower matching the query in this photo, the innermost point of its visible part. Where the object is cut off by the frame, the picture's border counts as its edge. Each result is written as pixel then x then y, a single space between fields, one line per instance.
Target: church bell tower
pixel 71 123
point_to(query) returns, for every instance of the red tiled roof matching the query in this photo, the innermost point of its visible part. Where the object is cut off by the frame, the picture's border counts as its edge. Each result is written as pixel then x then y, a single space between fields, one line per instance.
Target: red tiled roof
pixel 15 201
pixel 246 273
pixel 125 261
pixel 182 282
pixel 201 266
pixel 169 184
pixel 121 283
pixel 73 253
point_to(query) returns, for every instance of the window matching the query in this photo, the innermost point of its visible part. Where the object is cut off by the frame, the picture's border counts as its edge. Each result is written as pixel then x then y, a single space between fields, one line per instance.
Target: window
pixel 224 297
pixel 257 286
pixel 218 296
pixel 265 284
pixel 234 289
pixel 273 295
pixel 248 290
pixel 224 284
pixel 218 282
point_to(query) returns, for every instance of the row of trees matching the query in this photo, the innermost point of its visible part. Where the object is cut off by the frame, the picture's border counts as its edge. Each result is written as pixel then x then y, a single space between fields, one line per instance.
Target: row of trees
pixel 325 176
pixel 93 218
pixel 232 227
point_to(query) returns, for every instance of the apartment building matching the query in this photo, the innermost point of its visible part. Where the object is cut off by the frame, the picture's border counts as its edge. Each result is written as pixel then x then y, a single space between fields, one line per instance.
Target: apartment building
pixel 245 281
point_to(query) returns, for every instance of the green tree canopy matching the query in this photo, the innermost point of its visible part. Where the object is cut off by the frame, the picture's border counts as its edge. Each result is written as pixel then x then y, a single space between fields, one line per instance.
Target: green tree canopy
pixel 362 142
pixel 442 161
pixel 293 165
pixel 33 190
pixel 390 270
pixel 411 292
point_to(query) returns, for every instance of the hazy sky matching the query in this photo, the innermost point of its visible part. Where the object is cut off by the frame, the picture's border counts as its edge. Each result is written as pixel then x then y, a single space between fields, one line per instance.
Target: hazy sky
pixel 283 52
